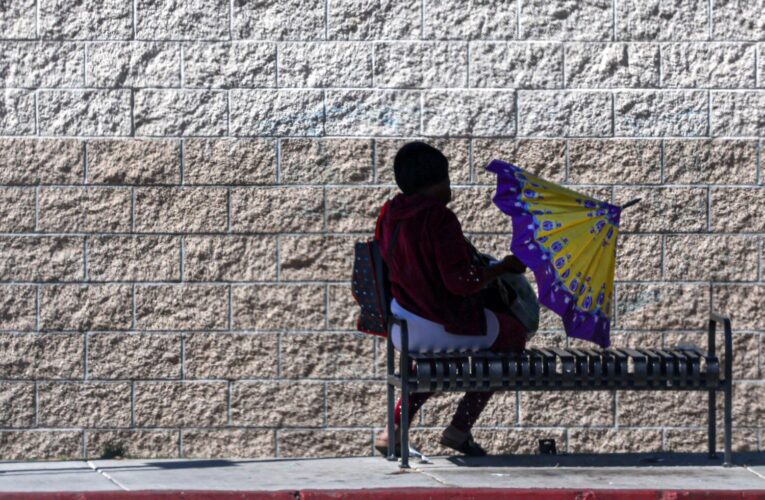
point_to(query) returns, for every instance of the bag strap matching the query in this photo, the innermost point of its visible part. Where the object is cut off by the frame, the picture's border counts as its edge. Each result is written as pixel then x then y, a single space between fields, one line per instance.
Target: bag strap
pixel 393 241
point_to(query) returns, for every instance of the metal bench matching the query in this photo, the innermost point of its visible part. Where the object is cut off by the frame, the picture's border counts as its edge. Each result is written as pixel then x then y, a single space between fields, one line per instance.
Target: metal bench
pixel 556 369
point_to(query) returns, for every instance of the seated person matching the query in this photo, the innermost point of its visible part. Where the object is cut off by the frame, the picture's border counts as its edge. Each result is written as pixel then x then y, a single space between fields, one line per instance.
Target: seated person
pixel 436 284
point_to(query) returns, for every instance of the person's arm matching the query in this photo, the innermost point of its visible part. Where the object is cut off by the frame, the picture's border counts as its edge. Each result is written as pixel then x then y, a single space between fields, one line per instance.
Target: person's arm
pixel 454 258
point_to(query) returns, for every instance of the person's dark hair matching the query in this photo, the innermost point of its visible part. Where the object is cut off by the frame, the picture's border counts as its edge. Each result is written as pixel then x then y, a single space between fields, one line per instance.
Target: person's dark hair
pixel 418 165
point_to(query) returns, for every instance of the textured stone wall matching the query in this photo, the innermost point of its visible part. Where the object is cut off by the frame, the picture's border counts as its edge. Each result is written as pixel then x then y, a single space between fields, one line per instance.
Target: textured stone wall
pixel 182 183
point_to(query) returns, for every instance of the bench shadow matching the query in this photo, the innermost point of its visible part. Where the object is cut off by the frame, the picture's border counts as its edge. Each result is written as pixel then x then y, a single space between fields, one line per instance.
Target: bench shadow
pixel 608 460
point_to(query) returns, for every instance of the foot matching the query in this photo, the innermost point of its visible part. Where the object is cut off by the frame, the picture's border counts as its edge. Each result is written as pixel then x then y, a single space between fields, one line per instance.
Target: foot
pixel 462 442
pixel 381 442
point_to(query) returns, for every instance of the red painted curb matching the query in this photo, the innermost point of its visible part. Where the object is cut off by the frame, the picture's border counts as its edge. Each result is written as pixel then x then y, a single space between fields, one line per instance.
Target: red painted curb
pixel 399 494
pixel 526 494
pixel 151 495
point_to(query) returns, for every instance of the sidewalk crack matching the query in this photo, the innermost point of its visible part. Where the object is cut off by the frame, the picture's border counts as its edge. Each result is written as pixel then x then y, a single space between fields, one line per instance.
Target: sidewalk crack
pixel 107 476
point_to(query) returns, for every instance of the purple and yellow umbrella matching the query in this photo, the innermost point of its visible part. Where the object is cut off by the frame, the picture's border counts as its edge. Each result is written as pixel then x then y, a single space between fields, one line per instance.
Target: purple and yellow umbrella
pixel 569 241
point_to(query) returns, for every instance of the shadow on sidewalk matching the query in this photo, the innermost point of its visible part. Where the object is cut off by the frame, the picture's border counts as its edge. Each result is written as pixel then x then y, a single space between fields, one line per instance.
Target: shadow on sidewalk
pixel 609 460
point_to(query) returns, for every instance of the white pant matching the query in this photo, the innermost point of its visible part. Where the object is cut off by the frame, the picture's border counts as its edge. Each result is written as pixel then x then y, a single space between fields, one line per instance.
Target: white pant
pixel 427 336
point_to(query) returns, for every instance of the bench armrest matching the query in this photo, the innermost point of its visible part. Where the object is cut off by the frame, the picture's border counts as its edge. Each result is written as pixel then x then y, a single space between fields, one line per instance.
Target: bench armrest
pixel 714 319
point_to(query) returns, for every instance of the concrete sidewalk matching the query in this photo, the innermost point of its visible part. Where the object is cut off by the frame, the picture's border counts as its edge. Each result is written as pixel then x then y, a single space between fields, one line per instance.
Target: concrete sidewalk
pixel 655 472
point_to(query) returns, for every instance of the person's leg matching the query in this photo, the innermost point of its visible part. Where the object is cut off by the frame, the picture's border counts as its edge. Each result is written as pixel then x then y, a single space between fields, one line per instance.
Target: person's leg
pixel 512 335
pixel 511 338
pixel 416 401
pixel 469 409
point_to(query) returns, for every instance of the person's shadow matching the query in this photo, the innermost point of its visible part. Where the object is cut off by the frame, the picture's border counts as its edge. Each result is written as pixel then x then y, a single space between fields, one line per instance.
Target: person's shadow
pixel 663 459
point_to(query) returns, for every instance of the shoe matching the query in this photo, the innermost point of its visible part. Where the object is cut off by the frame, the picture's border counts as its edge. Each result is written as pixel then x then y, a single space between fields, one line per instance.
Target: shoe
pixel 462 442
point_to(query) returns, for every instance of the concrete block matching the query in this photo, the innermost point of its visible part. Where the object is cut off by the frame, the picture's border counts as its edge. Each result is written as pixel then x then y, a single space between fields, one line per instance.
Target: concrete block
pixel 328 356
pixel 482 20
pixel 225 161
pixel 711 257
pixel 648 20
pixel 80 209
pixel 516 65
pixel 710 161
pixel 738 113
pixel 592 161
pixel 41 161
pixel 229 64
pixel 278 404
pixel 275 307
pixel 276 112
pixel 469 112
pixel 181 307
pixel 324 443
pixel 84 404
pixel 134 64
pixel 325 64
pixel 84 112
pixel 661 113
pixel 134 356
pixel 18 210
pixel 561 20
pixel 554 113
pixel 41 64
pixel 19 20
pixel 17 107
pixel 379 19
pixel 181 209
pixel 277 210
pixel 286 20
pixel 664 209
pixel 420 64
pixel 737 210
pixel 171 19
pixel 41 444
pixel 372 112
pixel 181 112
pixel 326 161
pixel 230 258
pixel 18 399
pixel 355 209
pixel 134 161
pixel 86 307
pixel 315 258
pixel 89 19
pixel 185 404
pixel 662 307
pixel 609 65
pixel 42 356
pixel 133 443
pixel 134 258
pixel 733 20
pixel 230 356
pixel 25 258
pixel 228 443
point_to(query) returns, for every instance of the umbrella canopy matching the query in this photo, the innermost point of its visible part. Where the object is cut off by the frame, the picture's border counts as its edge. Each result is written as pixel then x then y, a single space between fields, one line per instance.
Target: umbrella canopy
pixel 569 241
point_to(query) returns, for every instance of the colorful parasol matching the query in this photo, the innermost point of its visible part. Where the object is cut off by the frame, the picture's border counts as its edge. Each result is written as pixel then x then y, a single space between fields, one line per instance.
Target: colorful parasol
pixel 569 241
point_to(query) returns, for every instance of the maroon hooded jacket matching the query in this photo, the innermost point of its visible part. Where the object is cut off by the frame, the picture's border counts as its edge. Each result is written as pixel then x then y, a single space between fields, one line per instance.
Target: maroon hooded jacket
pixel 431 270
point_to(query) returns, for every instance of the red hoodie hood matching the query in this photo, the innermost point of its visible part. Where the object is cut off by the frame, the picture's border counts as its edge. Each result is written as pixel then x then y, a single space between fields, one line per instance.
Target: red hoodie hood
pixel 404 207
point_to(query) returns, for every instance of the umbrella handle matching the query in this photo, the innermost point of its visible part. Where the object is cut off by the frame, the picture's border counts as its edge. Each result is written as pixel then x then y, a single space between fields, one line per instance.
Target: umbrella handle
pixel 631 202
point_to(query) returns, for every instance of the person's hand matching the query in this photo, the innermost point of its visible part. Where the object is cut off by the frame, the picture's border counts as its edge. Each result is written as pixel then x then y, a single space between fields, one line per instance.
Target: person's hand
pixel 512 264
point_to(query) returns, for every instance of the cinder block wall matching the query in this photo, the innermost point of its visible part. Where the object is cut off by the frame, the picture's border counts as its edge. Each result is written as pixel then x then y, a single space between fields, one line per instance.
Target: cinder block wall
pixel 182 183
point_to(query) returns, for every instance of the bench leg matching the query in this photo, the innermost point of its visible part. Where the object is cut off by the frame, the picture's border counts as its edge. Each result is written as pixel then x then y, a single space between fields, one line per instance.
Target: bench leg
pixel 404 367
pixel 391 403
pixel 728 417
pixel 404 428
pixel 712 423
